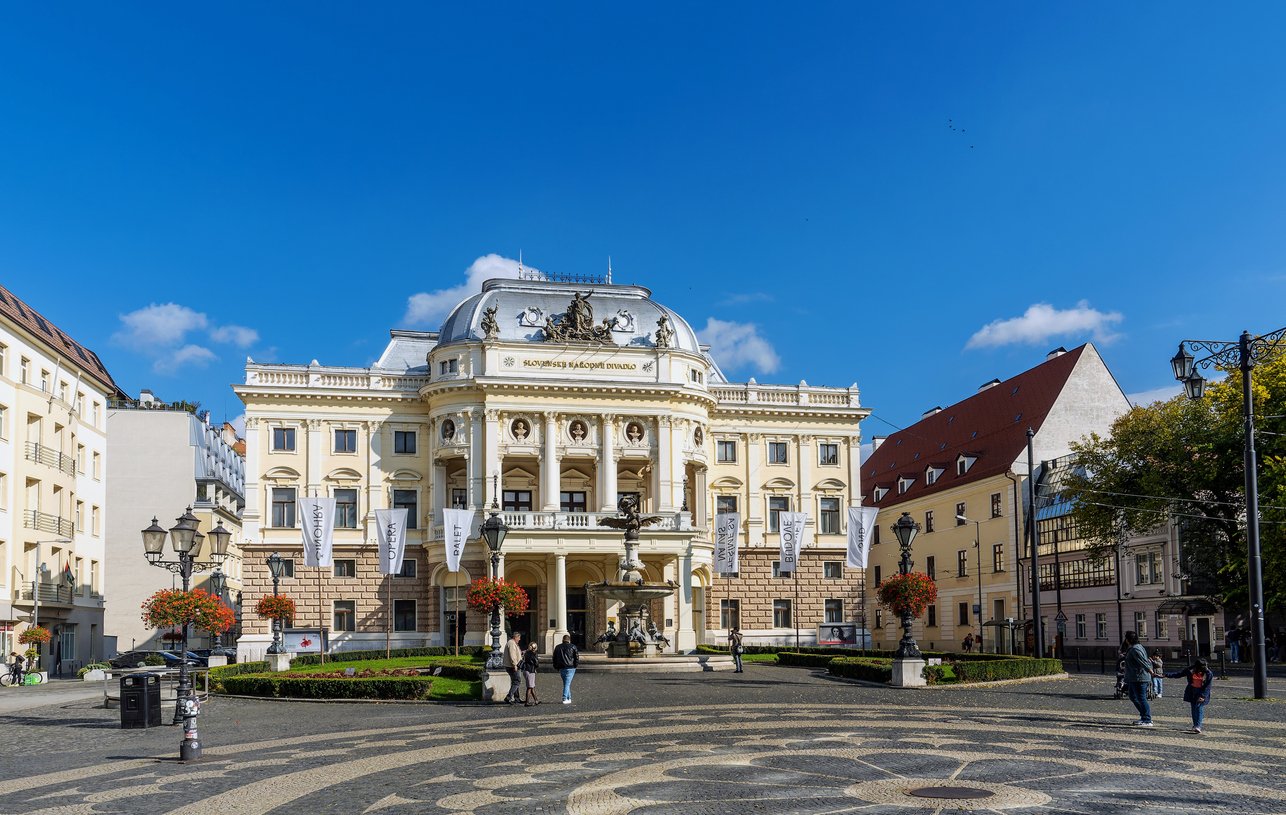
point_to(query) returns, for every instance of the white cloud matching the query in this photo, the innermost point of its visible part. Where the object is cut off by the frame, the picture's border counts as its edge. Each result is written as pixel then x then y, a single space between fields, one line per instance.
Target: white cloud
pixel 428 308
pixel 239 425
pixel 1162 394
pixel 1041 322
pixel 171 360
pixel 238 335
pixel 736 345
pixel 163 324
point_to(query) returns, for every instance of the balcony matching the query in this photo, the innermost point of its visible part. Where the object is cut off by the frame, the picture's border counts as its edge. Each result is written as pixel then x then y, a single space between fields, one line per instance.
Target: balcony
pixel 44 522
pixel 39 453
pixel 51 594
pixel 575 521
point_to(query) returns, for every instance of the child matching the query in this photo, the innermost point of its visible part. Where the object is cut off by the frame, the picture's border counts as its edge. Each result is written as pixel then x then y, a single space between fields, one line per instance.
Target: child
pixel 1197 693
pixel 1158 669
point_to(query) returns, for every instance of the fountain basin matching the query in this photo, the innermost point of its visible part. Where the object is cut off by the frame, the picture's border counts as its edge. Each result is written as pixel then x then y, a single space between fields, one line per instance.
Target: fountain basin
pixel 636 635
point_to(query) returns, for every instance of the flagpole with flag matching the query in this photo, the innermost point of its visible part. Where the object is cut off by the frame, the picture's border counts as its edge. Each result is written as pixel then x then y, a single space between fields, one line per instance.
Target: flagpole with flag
pixel 861 520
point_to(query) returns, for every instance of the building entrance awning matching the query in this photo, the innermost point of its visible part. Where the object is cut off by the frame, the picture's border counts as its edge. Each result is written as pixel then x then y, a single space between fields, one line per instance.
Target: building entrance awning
pixel 1190 606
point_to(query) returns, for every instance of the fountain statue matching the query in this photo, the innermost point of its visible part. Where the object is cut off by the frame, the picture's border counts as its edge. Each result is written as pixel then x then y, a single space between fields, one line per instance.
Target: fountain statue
pixel 637 634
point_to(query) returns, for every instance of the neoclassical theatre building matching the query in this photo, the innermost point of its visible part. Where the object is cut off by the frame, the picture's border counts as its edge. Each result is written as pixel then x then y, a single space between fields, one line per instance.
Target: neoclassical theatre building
pixel 549 400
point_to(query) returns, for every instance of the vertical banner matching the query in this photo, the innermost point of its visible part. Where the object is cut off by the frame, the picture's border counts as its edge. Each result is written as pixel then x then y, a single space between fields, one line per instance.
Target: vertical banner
pixel 390 524
pixel 317 520
pixel 790 528
pixel 861 520
pixel 456 524
pixel 727 527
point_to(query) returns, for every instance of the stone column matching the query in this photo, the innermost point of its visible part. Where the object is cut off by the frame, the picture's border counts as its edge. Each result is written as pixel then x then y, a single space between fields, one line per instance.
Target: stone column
pixel 492 465
pixel 439 491
pixel 560 597
pixel 665 456
pixel 686 637
pixel 607 465
pixel 549 468
pixel 477 459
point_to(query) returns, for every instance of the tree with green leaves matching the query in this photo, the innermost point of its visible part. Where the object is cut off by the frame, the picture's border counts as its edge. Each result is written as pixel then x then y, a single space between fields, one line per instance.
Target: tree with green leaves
pixel 1183 459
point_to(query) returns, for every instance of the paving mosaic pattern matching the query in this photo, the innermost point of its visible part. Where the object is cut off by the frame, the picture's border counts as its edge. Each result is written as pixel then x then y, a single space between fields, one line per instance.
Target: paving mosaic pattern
pixel 709 746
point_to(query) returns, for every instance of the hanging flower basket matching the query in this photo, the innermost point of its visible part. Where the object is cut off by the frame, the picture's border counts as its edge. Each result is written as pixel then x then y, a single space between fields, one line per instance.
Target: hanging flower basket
pixel 912 592
pixel 36 635
pixel 277 607
pixel 172 636
pixel 486 595
pixel 175 608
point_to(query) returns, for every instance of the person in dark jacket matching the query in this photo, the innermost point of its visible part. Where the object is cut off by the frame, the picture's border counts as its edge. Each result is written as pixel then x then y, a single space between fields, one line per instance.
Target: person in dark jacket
pixel 529 666
pixel 1138 676
pixel 566 661
pixel 1197 693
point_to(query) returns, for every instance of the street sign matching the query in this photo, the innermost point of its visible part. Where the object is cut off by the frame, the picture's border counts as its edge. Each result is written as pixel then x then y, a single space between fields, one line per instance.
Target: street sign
pixel 1060 616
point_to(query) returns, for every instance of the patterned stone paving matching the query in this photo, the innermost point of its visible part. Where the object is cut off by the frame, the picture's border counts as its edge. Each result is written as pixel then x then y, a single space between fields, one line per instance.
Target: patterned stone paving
pixel 780 741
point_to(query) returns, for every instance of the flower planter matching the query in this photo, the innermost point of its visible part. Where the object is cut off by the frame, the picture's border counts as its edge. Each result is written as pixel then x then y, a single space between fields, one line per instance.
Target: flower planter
pixel 95 675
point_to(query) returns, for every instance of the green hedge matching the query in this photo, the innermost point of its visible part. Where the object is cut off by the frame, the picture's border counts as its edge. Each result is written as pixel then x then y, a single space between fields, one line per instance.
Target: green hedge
pixel 869 669
pixel 285 686
pixel 800 660
pixel 218 674
pixel 998 669
pixel 356 656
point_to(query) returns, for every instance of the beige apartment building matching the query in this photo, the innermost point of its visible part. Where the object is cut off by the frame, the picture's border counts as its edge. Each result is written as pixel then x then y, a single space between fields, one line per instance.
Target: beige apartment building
pixel 53 498
pixel 549 401
pixel 961 473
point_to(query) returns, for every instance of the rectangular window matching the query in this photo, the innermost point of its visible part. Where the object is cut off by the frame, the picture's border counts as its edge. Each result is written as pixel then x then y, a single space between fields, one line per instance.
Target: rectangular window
pixel 777 452
pixel 1163 626
pixel 931 619
pixel 1141 624
pixel 449 366
pixel 1100 626
pixel 961 518
pixel 776 570
pixel 403 615
pixel 730 614
pixel 725 452
pixel 1141 569
pixel 345 567
pixel 776 506
pixel 4 493
pixel 346 508
pixel 345 441
pixel 1154 560
pixel 571 501
pixel 283 439
pixel 1080 626
pixel 283 507
pixel 459 497
pixel 345 616
pixel 834 611
pixel 833 570
pixel 409 566
pixel 67 643
pixel 516 501
pixel 931 567
pixel 827 454
pixel 724 504
pixel 24 371
pixel 962 562
pixel 80 516
pixel 828 516
pixel 928 520
pixel 96 461
pixel 4 353
pixel 4 422
pixel 781 614
pixel 963 610
pixel 404 442
pixel 80 459
pixel 998 557
pixel 876 575
pixel 995 505
pixel 408 500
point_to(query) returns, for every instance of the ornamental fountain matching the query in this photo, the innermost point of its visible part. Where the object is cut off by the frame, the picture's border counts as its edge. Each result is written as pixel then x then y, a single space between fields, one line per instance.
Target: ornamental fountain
pixel 636 635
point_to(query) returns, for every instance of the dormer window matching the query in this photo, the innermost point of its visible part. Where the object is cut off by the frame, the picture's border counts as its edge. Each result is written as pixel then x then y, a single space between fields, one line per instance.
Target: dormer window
pixel 931 474
pixel 448 366
pixel 878 493
pixel 904 484
pixel 963 463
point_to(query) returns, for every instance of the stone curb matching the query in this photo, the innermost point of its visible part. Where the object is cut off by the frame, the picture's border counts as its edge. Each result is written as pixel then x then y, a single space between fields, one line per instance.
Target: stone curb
pixel 472 703
pixel 952 686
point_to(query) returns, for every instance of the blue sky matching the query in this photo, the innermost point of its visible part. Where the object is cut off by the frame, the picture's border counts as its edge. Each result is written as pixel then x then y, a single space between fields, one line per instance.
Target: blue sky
pixel 913 199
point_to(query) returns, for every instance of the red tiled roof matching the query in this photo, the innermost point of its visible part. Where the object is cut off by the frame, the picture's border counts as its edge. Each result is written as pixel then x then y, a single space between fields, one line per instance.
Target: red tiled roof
pixel 991 425
pixel 71 351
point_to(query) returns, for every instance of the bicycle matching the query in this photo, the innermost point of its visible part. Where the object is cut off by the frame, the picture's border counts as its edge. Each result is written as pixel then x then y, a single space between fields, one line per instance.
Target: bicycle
pixel 28 678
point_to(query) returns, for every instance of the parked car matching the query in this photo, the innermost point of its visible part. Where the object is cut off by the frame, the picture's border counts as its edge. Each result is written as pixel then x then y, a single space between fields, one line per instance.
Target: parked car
pixel 224 651
pixel 138 659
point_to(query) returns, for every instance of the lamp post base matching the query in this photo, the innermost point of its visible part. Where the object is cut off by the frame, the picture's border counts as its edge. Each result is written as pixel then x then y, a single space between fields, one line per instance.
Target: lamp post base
pixel 190 749
pixel 908 672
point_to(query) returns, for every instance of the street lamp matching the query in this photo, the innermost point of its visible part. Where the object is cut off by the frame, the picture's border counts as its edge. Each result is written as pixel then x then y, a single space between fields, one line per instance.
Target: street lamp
pixel 493 532
pixel 1244 354
pixel 905 529
pixel 275 567
pixel 977 545
pixel 186 541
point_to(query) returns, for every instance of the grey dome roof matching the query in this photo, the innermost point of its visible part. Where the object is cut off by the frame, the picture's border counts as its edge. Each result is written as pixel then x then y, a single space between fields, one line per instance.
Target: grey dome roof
pixel 522 307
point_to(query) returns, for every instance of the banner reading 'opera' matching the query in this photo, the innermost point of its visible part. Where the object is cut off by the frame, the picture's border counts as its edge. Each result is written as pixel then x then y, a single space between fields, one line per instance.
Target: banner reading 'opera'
pixel 390 525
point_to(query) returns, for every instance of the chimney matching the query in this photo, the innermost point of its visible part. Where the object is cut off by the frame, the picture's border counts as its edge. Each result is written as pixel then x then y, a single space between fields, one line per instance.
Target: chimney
pixel 145 397
pixel 985 385
pixel 1057 352
pixel 876 441
pixel 931 411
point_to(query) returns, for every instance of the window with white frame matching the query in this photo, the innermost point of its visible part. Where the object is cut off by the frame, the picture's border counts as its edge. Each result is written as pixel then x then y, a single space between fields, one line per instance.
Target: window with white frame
pixel 828 516
pixel 96 463
pixel 834 610
pixel 344 567
pixel 1163 626
pixel 404 442
pixel 878 492
pixel 95 516
pixel 776 570
pixel 781 614
pixel 449 366
pixel 778 452
pixel 997 557
pixel 724 504
pixel 963 463
pixel 1100 626
pixel 346 508
pixel 962 562
pixel 828 454
pixel 283 507
pixel 961 520
pixel 997 507
pixel 287 567
pixel 904 484
pixel 345 440
pixel 1080 626
pixel 928 520
pixel 1141 624
pixel 725 451
pixel 4 422
pixel 408 500
pixel 931 474
pixel 283 439
pixel 777 504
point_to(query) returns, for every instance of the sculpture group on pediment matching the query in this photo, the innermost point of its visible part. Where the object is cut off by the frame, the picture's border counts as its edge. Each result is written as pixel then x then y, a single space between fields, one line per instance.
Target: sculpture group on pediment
pixel 577 324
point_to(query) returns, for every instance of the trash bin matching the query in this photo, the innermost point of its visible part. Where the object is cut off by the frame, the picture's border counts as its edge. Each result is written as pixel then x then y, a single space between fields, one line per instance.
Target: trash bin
pixel 140 700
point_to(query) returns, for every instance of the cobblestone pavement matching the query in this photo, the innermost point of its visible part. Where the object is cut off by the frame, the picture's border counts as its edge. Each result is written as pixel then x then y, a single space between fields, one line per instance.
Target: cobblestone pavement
pixel 772 740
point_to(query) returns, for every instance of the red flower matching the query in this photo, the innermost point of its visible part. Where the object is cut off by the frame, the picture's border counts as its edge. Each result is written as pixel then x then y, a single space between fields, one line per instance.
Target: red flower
pixel 912 592
pixel 279 607
pixel 177 608
pixel 34 634
pixel 486 595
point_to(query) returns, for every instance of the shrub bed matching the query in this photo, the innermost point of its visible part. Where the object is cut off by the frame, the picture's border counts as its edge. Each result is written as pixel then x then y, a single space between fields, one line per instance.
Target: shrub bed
pixel 358 656
pixel 997 669
pixel 869 669
pixel 798 660
pixel 217 674
pixel 304 687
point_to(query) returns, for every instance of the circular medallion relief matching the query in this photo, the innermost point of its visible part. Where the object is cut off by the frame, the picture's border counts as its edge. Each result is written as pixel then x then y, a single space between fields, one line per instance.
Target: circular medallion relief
pixel 634 432
pixel 448 430
pixel 520 429
pixel 578 431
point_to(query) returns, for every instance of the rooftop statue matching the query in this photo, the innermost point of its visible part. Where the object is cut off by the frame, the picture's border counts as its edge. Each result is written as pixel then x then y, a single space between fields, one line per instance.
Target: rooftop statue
pixel 577 324
pixel 664 334
pixel 489 324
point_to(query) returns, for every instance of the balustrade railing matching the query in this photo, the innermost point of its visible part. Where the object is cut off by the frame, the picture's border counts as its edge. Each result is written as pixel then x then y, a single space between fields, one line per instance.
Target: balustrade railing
pixel 39 453
pixel 586 521
pixel 44 522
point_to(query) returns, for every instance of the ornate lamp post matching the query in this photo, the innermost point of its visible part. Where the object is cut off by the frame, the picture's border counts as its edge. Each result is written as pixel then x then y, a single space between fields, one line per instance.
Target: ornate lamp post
pixel 906 529
pixel 187 546
pixel 493 532
pixel 275 567
pixel 1243 354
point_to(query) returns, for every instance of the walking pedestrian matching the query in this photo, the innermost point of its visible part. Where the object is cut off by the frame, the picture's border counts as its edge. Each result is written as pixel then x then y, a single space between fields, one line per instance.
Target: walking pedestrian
pixel 16 664
pixel 1232 639
pixel 967 645
pixel 1138 674
pixel 1197 692
pixel 1158 671
pixel 512 656
pixel 566 661
pixel 734 645
pixel 530 665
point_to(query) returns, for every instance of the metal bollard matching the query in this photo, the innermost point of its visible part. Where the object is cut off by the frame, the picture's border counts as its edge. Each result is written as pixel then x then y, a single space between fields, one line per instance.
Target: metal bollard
pixel 1102 663
pixel 1223 672
pixel 1078 659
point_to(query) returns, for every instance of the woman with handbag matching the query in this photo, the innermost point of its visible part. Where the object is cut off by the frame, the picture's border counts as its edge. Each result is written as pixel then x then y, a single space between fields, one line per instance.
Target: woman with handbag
pixel 734 640
pixel 529 666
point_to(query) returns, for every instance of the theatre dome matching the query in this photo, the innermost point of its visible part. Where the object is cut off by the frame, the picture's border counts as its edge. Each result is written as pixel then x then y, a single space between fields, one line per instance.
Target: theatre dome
pixel 523 307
